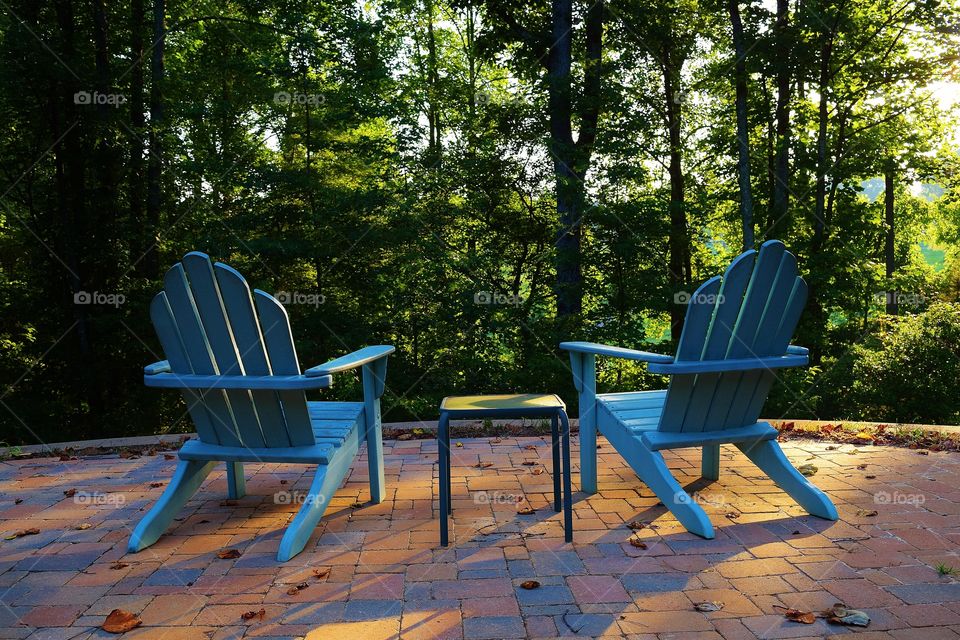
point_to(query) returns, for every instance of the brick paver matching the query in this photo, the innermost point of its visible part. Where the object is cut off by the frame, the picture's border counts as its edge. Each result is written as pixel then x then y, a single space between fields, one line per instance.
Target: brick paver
pixel 383 574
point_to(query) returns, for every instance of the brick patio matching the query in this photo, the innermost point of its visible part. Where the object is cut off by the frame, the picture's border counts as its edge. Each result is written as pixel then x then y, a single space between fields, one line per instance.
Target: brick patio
pixel 388 578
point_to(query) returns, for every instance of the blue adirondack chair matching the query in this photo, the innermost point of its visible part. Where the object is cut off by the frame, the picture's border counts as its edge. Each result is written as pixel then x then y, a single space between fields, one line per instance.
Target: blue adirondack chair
pixel 232 356
pixel 735 336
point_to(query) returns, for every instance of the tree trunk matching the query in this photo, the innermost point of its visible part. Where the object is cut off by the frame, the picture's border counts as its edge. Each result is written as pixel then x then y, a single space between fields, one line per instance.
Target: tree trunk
pixel 155 160
pixel 781 173
pixel 819 225
pixel 137 122
pixel 889 252
pixel 433 90
pixel 743 132
pixel 679 263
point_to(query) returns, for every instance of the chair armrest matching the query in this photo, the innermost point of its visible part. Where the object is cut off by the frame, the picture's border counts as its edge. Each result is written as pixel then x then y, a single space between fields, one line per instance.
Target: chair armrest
pixel 157 367
pixel 615 352
pixel 794 350
pixel 720 366
pixel 251 383
pixel 351 360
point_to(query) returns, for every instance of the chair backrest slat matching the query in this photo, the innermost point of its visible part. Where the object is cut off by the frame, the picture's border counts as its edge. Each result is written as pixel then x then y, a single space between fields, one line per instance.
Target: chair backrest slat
pixel 690 347
pixel 162 317
pixel 278 338
pixel 754 315
pixel 219 334
pixel 246 335
pixel 728 301
pixel 198 350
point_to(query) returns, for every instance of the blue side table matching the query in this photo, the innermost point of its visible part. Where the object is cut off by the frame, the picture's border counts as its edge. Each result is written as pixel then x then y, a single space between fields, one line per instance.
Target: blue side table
pixel 508 406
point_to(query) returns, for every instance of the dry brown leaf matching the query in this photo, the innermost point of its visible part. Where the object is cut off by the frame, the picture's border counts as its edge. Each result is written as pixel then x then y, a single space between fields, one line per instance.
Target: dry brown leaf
pixel 638 543
pixel 870 477
pixel 636 525
pixel 357 505
pixel 119 565
pixel 154 485
pixel 405 436
pixel 460 445
pixel 530 447
pixel 283 482
pixel 795 615
pixel 529 463
pixel 120 621
pixel 866 513
pixel 538 471
pixel 525 511
pixel 292 591
pixel 228 554
pixel 530 584
pixel 808 469
pixel 707 607
pixel 861 466
pixel 733 515
pixel 169 456
pixel 250 615
pixel 321 573
pixel 483 465
pixel 923 452
pixel 23 532
pixel 70 493
pixel 83 526
pixel 18 501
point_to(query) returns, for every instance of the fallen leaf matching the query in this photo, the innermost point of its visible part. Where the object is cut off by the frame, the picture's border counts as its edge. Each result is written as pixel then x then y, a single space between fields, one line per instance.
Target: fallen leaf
pixel 530 447
pixel 840 614
pixel 706 607
pixel 250 615
pixel 228 554
pixel 119 565
pixel 831 448
pixel 129 455
pixel 321 573
pixel 70 493
pixel 636 525
pixel 283 482
pixel 169 456
pixel 923 452
pixel 292 591
pixel 796 533
pixel 483 465
pixel 866 513
pixel 861 466
pixel 18 501
pixel 529 463
pixel 228 503
pixel 459 445
pixel 808 469
pixel 525 511
pixel 405 436
pixel 795 615
pixel 357 505
pixel 120 621
pixel 870 477
pixel 733 515
pixel 154 485
pixel 638 543
pixel 23 532
pixel 530 584
pixel 538 471
pixel 83 526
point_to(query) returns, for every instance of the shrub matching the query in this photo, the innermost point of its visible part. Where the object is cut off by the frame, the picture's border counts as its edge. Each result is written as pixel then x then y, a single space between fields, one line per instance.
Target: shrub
pixel 912 372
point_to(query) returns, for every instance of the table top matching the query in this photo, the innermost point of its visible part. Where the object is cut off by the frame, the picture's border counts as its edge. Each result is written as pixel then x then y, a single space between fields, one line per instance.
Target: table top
pixel 518 404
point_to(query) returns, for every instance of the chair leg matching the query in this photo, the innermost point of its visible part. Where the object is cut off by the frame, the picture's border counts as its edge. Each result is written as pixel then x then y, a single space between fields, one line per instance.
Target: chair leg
pixel 325 483
pixel 236 484
pixel 710 465
pixel 652 469
pixel 188 477
pixel 768 456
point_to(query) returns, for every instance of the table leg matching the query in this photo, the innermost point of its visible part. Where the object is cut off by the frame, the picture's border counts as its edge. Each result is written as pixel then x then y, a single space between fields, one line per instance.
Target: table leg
pixel 557 469
pixel 567 488
pixel 443 445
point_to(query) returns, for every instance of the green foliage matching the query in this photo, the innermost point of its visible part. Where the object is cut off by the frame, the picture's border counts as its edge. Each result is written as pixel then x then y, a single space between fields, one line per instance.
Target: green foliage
pixel 912 373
